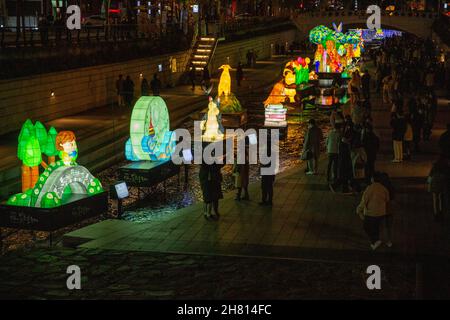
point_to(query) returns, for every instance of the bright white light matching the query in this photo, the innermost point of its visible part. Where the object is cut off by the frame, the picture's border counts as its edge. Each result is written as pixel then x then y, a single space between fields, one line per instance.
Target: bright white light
pixel 121 190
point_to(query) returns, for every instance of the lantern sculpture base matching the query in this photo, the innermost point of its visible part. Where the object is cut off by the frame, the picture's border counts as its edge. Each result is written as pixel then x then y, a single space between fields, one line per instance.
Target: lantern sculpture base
pixel 78 207
pixel 147 174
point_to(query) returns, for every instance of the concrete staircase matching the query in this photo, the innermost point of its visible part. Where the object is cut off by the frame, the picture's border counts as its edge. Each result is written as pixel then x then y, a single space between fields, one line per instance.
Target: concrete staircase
pixel 202 53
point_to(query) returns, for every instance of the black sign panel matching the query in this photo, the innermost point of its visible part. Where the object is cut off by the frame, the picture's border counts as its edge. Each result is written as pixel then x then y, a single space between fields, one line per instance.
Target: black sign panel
pixel 51 219
pixel 147 173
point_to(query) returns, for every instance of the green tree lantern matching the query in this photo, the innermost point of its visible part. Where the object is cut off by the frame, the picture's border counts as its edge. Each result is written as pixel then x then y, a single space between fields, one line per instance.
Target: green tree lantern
pixel 41 134
pixel 24 136
pixel 32 154
pixel 50 147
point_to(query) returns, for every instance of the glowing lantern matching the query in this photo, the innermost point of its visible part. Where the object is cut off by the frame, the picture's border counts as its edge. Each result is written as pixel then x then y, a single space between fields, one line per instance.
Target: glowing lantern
pixel 211 124
pixel 32 155
pixel 50 149
pixel 41 134
pixel 225 81
pixel 150 135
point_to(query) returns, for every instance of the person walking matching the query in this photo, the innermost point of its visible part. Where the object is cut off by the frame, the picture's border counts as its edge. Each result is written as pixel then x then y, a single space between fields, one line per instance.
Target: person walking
pixel 128 88
pixel 241 175
pixel 119 90
pixel 192 76
pixel 387 84
pixel 145 88
pixel 267 182
pixel 239 74
pixel 365 84
pixel 408 138
pixel 311 147
pixel 438 185
pixel 206 78
pixel 345 168
pixel 373 211
pixel 371 144
pixel 156 85
pixel 398 125
pixel 417 122
pixel 333 139
pixel 211 184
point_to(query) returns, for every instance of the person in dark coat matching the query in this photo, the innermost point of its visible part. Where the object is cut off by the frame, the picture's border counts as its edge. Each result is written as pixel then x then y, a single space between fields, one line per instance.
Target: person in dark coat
pixel 144 87
pixel 239 74
pixel 241 172
pixel 311 146
pixel 156 85
pixel 365 84
pixel 206 77
pixel 128 88
pixel 211 184
pixel 192 76
pixel 120 91
pixel 267 182
pixel 345 167
pixel 371 145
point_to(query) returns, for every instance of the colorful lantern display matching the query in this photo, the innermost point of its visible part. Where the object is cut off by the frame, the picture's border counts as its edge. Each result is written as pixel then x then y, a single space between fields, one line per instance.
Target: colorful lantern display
pixel 335 50
pixel 60 179
pixel 150 135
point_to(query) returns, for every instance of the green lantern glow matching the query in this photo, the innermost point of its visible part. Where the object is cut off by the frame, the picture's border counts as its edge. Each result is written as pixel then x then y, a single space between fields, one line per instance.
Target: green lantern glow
pixel 32 156
pixel 41 134
pixel 50 200
pixel 148 112
pixel 24 136
pixel 50 146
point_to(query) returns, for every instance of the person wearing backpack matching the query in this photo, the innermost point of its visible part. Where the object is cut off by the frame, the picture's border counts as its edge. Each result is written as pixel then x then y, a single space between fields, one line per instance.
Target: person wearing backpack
pixel 438 181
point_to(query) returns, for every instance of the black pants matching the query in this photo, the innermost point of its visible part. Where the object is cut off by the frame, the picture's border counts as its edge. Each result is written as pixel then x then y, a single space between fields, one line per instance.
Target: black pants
pixel 372 228
pixel 332 167
pixel 267 188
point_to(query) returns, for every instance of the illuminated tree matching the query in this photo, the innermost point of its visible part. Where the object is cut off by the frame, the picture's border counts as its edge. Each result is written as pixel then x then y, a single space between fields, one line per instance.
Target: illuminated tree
pixel 50 147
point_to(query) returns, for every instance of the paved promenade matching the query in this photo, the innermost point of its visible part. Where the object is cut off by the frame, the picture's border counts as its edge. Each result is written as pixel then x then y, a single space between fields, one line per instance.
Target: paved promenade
pixel 306 221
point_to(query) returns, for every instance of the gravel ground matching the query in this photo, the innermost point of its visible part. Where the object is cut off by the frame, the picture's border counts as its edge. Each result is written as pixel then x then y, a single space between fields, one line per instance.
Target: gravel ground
pixel 41 274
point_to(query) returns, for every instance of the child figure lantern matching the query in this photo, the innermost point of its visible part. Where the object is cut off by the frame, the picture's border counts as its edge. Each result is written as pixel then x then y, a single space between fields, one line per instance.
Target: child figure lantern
pixel 67 146
pixel 55 185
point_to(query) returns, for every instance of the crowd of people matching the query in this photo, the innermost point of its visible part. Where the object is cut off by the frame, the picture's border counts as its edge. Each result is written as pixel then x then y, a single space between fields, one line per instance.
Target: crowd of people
pixel 408 73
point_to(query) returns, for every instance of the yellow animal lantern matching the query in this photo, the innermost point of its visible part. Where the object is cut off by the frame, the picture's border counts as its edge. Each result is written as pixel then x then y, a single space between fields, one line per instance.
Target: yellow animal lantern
pixel 277 95
pixel 225 81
